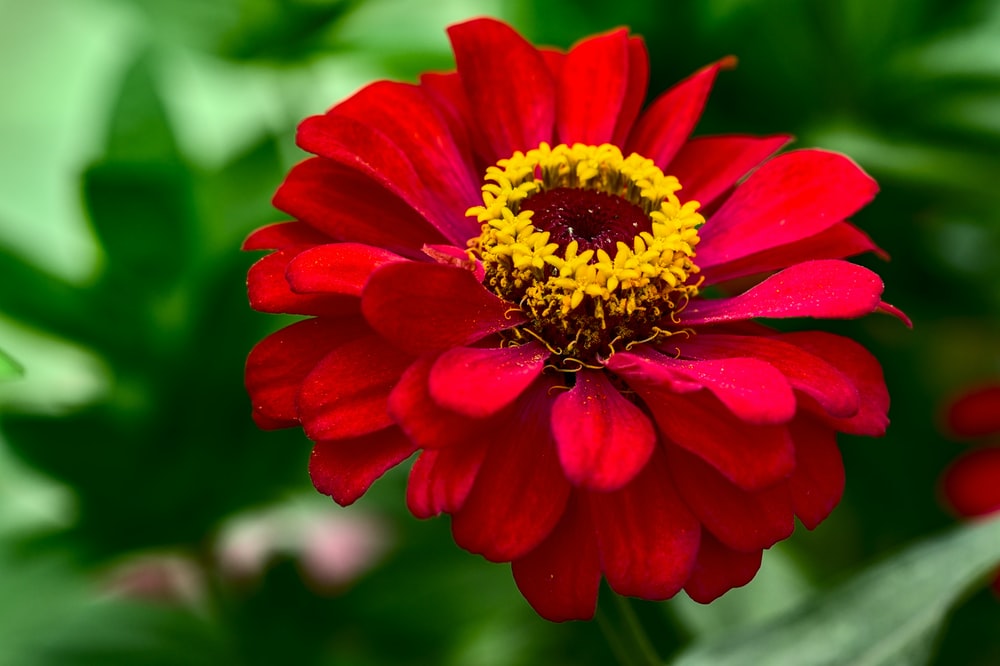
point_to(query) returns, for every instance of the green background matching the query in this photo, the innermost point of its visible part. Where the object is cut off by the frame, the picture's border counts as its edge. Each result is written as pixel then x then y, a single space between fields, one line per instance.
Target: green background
pixel 140 141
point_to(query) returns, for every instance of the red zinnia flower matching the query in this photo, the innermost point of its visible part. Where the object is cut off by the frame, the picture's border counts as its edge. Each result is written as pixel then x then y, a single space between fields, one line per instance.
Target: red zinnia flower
pixel 501 275
pixel 970 486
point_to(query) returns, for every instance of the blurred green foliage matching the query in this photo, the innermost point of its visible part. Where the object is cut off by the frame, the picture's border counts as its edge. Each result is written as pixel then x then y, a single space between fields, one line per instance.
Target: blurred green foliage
pixel 143 139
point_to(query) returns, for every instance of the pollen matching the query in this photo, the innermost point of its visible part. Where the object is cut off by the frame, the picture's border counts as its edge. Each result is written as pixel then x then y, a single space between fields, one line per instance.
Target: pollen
pixel 594 247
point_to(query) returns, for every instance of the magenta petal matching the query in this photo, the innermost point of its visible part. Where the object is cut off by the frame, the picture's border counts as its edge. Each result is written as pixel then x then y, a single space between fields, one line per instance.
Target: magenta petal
pixel 647 538
pixel 603 439
pixel 753 390
pixel 346 468
pixel 666 124
pixel 862 369
pixel 269 291
pixel 520 492
pixel 441 479
pixel 827 289
pixel 751 457
pixel 840 241
pixel 818 481
pixel 793 196
pixel 346 393
pixel 277 366
pixel 480 382
pixel 591 89
pixel 336 268
pixel 744 521
pixel 708 166
pixel 432 307
pixel 560 578
pixel 804 371
pixel 424 420
pixel 284 234
pixel 519 112
pixel 720 569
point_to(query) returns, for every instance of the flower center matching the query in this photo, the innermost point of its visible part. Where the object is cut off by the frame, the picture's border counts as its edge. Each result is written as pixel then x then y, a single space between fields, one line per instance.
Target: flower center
pixel 594 247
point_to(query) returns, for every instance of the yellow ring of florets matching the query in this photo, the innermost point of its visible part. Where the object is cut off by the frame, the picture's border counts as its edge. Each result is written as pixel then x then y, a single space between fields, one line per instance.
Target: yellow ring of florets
pixel 588 300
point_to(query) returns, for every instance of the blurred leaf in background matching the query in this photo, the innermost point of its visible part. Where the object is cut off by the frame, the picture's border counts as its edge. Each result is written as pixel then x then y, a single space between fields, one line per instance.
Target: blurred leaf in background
pixel 142 140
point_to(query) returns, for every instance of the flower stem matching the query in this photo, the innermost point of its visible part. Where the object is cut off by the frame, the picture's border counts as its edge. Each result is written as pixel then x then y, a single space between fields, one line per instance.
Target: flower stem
pixel 627 638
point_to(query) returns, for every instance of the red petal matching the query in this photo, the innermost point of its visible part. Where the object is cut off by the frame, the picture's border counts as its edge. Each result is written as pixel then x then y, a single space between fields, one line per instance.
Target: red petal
pixel 591 89
pixel 752 457
pixel 355 202
pixel 603 440
pixel 520 492
pixel 279 363
pixel 508 85
pixel 480 382
pixel 647 538
pixel 818 482
pixel 269 291
pixel 708 166
pixel 793 196
pixel 668 122
pixel 804 371
pixel 720 569
pixel 346 394
pixel 862 369
pixel 422 419
pixel 825 288
pixel 337 268
pixel 635 90
pixel 975 413
pixel 841 240
pixel 971 484
pixel 754 391
pixel 284 234
pixel 432 307
pixel 560 578
pixel 440 480
pixel 346 468
pixel 744 521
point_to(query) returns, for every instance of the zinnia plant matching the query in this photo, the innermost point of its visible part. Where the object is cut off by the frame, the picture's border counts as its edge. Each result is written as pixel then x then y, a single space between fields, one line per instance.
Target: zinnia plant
pixel 517 272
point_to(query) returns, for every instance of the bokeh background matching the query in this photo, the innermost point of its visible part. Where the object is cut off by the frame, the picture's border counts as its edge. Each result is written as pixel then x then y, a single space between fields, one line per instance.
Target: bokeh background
pixel 145 520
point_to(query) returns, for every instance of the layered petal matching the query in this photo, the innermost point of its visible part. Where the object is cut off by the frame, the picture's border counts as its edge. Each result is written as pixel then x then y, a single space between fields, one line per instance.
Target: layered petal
pixel 281 235
pixel 441 479
pixel 825 288
pixel 818 482
pixel 346 468
pixel 592 88
pixel 479 382
pixel 603 440
pixel 433 307
pixel 336 268
pixel 793 196
pixel 646 536
pixel 520 492
pixel 560 578
pixel 269 290
pixel 720 569
pixel 346 394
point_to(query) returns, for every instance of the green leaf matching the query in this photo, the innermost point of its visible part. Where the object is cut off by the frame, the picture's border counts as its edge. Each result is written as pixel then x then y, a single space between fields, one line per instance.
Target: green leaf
pixel 888 614
pixel 9 368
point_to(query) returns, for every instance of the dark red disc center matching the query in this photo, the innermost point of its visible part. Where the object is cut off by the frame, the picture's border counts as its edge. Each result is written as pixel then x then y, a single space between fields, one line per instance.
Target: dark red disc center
pixel 594 219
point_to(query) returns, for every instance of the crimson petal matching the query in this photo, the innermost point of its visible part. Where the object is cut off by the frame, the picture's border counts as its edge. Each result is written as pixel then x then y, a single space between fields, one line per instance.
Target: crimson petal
pixel 346 468
pixel 743 521
pixel 791 197
pixel 423 307
pixel 346 393
pixel 826 288
pixel 667 123
pixel 603 440
pixel 479 382
pixel 720 569
pixel 591 89
pixel 635 89
pixel 520 492
pixel 560 578
pixel 818 481
pixel 441 479
pixel 336 268
pixel 520 116
pixel 284 234
pixel 269 291
pixel 647 538
pixel 975 413
pixel 970 485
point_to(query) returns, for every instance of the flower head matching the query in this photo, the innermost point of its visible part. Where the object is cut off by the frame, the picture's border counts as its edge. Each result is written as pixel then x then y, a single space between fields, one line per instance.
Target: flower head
pixel 518 272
